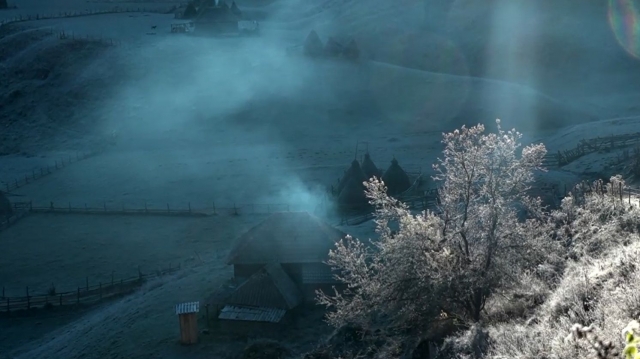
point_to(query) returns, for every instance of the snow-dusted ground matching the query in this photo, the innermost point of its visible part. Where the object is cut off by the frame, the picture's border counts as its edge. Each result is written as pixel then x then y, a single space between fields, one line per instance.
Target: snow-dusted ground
pixel 235 121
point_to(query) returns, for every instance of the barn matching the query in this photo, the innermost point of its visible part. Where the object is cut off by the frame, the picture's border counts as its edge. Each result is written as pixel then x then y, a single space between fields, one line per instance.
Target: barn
pixel 219 19
pixel 268 299
pixel 297 241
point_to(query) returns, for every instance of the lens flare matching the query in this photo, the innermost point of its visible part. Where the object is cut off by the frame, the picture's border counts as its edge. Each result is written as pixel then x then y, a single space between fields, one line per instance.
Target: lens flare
pixel 624 19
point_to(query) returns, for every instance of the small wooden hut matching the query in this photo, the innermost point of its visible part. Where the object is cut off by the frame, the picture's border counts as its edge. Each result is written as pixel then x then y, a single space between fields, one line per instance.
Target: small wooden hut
pixel 396 179
pixel 313 45
pixel 188 317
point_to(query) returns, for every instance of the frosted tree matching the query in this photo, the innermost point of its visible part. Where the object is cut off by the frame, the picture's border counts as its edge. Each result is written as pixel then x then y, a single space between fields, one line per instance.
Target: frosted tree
pixel 446 263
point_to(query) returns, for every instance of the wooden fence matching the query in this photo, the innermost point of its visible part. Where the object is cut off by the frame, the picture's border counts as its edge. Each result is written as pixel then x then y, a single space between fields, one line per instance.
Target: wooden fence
pixel 62 162
pixel 61 15
pixel 587 146
pixel 86 295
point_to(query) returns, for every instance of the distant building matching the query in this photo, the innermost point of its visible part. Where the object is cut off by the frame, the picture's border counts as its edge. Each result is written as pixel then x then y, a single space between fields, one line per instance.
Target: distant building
pixel 218 19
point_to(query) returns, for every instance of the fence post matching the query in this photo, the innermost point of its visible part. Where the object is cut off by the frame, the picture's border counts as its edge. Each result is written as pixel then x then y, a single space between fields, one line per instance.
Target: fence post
pixel 620 189
pixel 51 206
pixel 629 196
pixel 189 207
pixel 145 207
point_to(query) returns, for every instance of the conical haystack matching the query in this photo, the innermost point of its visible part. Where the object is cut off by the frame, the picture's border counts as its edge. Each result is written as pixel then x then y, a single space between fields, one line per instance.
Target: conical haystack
pixel 353 195
pixel 235 9
pixel 190 12
pixel 355 172
pixel 5 206
pixel 396 179
pixel 351 51
pixel 333 48
pixel 369 168
pixel 223 4
pixel 313 45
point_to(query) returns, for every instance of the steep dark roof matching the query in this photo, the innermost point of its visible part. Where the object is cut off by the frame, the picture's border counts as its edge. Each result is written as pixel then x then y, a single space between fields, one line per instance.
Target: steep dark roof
pixel 270 287
pixel 396 179
pixel 286 237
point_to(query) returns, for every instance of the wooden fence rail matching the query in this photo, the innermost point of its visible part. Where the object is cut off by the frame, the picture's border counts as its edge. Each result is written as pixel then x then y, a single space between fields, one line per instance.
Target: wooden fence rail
pixel 592 145
pixel 89 294
pixel 70 14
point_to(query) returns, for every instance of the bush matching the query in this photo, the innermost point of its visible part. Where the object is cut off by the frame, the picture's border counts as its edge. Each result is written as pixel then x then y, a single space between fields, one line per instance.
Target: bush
pixel 265 349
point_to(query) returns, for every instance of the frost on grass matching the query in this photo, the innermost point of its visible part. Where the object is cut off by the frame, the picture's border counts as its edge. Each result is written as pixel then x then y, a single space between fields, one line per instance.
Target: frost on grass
pixel 512 277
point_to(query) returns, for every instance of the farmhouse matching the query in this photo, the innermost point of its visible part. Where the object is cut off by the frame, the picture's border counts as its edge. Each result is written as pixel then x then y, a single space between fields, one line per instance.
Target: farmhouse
pixel 219 19
pixel 297 241
pixel 267 299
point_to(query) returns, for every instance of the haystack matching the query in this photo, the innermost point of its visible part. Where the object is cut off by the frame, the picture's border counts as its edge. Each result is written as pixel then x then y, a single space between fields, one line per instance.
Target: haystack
pixel 353 195
pixel 333 48
pixel 235 9
pixel 223 4
pixel 355 172
pixel 313 45
pixel 190 12
pixel 396 179
pixel 5 206
pixel 351 51
pixel 369 168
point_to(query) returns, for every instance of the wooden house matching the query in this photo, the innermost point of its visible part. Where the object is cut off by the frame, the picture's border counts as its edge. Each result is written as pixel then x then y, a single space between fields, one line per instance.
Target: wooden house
pixel 262 303
pixel 216 20
pixel 297 241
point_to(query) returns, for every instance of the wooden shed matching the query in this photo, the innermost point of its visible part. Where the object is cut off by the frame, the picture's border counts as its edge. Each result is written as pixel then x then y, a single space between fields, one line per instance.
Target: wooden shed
pixel 188 316
pixel 298 241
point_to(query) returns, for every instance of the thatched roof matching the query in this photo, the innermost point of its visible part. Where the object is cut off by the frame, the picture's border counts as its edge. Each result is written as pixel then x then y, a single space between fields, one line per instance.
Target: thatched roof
pixel 355 171
pixel 369 168
pixel 396 179
pixel 351 50
pixel 286 237
pixel 333 47
pixel 235 9
pixel 5 205
pixel 271 287
pixel 313 45
pixel 353 195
